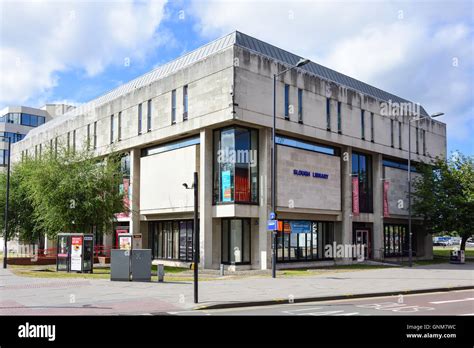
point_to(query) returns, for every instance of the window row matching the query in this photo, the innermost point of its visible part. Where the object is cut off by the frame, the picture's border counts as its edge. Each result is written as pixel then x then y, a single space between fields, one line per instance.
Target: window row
pixel 303 240
pixel 172 240
pixel 23 119
pixel 396 240
pixel 14 137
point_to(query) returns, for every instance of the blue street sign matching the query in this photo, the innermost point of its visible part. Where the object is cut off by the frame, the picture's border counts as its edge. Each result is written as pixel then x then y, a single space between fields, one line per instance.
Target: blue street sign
pixel 272 225
pixel 272 216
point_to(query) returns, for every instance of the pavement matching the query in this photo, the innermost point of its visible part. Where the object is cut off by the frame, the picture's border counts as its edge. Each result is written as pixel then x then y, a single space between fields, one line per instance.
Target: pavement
pixel 48 296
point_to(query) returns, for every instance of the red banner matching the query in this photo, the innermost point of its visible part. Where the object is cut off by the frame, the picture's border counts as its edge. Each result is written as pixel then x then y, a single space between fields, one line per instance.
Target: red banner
pixel 386 212
pixel 355 195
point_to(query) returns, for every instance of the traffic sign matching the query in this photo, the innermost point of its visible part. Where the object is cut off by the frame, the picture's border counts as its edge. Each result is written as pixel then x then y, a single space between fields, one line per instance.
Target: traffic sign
pixel 272 225
pixel 272 216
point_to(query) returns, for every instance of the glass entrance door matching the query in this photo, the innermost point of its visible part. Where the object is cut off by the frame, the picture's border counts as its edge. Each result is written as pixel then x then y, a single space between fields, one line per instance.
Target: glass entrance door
pixel 362 243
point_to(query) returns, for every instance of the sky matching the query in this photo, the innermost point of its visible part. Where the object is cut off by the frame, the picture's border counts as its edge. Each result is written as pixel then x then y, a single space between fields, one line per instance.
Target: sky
pixel 74 51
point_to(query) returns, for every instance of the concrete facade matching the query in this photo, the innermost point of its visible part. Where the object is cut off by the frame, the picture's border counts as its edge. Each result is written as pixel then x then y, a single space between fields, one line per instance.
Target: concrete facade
pixel 229 84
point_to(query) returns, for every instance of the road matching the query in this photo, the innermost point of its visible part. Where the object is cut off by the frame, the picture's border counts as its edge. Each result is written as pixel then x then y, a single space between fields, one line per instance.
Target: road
pixel 439 303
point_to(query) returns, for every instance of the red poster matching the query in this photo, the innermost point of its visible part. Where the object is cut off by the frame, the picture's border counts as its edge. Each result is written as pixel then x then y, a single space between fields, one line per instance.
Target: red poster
pixel 355 195
pixel 126 198
pixel 386 212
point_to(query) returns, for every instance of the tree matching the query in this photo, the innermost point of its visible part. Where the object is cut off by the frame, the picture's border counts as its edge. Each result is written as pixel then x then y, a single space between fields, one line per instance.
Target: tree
pixel 444 195
pixel 67 191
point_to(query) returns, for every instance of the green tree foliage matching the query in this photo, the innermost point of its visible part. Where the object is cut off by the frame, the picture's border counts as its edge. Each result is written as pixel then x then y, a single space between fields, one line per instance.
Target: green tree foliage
pixel 64 192
pixel 444 196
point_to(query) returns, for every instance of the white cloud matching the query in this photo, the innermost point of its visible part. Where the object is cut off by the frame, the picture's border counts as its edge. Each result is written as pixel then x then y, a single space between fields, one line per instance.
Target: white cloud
pixel 40 39
pixel 406 48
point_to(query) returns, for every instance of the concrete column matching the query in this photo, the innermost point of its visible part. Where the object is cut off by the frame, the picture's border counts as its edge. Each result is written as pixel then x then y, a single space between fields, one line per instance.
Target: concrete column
pixel 377 234
pixel 135 187
pixel 346 190
pixel 264 237
pixel 205 198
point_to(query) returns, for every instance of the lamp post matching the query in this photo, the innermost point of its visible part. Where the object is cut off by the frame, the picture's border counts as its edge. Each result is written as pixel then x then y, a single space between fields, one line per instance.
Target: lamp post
pixel 194 187
pixel 5 234
pixel 300 63
pixel 410 234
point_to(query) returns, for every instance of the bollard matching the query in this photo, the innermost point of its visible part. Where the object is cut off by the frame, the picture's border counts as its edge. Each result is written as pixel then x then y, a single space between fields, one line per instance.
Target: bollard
pixel 161 272
pixel 222 270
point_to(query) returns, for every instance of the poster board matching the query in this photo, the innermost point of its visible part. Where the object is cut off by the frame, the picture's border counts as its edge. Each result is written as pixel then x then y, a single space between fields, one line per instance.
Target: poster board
pixel 76 253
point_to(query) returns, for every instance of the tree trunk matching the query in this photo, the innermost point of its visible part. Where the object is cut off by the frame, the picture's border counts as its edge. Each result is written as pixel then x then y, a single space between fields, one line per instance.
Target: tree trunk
pixel 463 242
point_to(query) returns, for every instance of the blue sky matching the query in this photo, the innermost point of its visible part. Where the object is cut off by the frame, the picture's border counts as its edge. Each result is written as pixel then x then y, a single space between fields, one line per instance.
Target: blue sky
pixel 74 51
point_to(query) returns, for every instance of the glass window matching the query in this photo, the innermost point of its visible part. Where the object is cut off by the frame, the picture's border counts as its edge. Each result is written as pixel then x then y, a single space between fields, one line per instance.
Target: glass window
pixel 172 240
pixel 300 105
pixel 119 126
pixel 372 134
pixel 25 120
pixel 287 102
pixel 235 241
pixel 140 120
pixel 236 165
pixel 171 146
pixel 111 129
pixel 339 117
pixel 185 103
pixel 148 116
pixel 396 240
pixel 173 106
pixel 95 136
pixel 417 136
pixel 304 145
pixel 362 124
pixel 400 135
pixel 391 133
pixel 362 168
pixel 328 114
pixel 303 240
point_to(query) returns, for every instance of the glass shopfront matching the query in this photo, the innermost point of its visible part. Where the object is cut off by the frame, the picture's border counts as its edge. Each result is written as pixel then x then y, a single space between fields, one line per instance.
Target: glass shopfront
pixel 396 240
pixel 304 240
pixel 235 242
pixel 172 240
pixel 235 165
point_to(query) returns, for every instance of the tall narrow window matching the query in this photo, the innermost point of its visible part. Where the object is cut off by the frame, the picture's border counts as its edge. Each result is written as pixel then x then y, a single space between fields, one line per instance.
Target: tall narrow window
pixel 185 103
pixel 94 143
pixel 55 147
pixel 40 150
pixel 362 124
pixel 328 114
pixel 36 153
pixel 391 133
pixel 68 141
pixel 173 106
pixel 423 133
pixel 339 117
pixel 417 135
pixel 372 132
pixel 140 121
pixel 287 102
pixel 51 146
pixel 119 126
pixel 300 105
pixel 74 141
pixel 400 135
pixel 88 139
pixel 111 129
pixel 148 116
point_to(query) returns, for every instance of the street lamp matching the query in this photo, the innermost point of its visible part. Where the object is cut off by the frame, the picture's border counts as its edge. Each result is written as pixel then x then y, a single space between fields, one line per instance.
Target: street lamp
pixel 194 187
pixel 300 63
pixel 410 237
pixel 5 234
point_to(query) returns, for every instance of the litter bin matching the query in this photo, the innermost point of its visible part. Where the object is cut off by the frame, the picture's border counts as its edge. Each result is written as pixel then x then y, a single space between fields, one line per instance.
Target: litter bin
pixel 134 264
pixel 457 256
